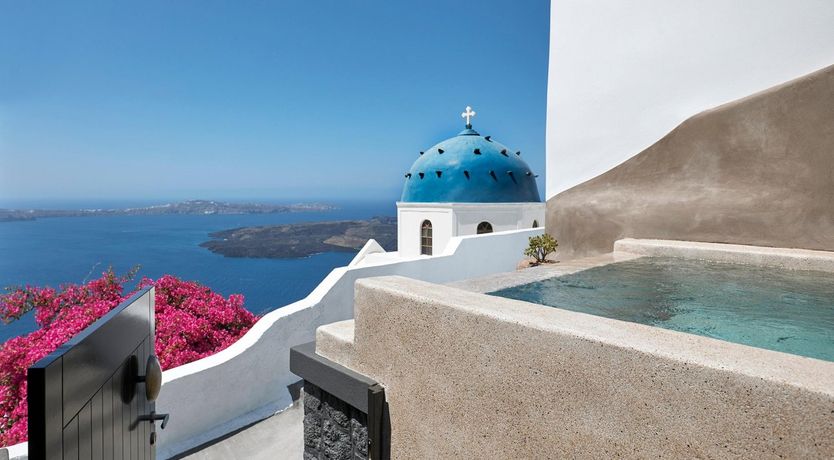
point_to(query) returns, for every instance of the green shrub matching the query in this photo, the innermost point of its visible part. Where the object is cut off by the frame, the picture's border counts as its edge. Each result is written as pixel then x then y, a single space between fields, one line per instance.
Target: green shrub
pixel 540 247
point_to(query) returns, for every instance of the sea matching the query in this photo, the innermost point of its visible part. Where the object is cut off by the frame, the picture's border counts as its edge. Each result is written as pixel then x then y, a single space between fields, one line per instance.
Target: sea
pixel 53 251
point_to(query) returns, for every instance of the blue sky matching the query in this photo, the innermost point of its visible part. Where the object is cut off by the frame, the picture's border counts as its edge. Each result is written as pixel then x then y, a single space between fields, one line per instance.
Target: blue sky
pixel 283 100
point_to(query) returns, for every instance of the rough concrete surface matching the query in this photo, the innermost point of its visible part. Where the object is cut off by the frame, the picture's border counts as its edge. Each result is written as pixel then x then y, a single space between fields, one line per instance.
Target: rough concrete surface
pixel 336 339
pixel 758 171
pixel 474 376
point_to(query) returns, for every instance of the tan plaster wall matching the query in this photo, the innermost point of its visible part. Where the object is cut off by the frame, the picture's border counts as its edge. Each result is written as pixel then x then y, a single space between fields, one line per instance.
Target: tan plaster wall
pixel 473 376
pixel 756 171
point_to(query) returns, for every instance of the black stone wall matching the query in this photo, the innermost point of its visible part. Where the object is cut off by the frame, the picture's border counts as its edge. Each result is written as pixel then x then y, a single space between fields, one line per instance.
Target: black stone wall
pixel 333 430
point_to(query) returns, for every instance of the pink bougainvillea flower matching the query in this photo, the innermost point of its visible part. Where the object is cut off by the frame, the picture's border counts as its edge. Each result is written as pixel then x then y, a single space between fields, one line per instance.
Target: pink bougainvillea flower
pixel 192 322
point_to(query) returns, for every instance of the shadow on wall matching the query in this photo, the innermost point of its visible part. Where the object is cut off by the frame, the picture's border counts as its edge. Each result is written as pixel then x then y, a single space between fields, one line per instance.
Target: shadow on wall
pixel 758 171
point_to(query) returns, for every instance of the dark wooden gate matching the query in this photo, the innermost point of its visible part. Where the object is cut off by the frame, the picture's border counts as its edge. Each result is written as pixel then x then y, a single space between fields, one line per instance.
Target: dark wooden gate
pixel 86 400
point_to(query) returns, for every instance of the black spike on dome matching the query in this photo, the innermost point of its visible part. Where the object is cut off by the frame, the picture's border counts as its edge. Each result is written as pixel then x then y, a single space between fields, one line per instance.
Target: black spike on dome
pixel 440 150
pixel 466 173
pixel 408 175
pixel 422 153
pixel 528 173
pixel 422 175
pixel 488 138
pixel 439 173
pixel 492 173
pixel 518 153
pixel 504 152
pixel 477 151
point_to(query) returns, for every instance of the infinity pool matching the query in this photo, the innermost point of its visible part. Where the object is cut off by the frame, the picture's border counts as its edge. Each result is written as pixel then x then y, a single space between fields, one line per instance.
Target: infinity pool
pixel 788 311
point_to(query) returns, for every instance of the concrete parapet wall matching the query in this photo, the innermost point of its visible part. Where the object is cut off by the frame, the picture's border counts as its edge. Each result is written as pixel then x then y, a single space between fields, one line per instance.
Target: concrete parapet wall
pixel 791 259
pixel 248 381
pixel 473 376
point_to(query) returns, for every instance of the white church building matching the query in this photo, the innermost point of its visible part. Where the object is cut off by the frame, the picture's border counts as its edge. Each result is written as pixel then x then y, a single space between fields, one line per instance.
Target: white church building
pixel 465 185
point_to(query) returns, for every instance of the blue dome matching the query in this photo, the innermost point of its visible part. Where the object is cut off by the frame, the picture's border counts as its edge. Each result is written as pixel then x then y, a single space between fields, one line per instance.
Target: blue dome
pixel 469 168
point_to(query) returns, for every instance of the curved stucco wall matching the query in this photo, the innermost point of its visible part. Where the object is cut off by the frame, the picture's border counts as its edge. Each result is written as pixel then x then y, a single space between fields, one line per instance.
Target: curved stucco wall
pixel 756 171
pixel 248 381
pixel 623 74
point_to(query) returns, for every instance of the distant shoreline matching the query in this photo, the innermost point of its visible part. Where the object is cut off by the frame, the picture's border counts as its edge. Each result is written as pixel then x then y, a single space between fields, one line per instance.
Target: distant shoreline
pixel 293 241
pixel 191 207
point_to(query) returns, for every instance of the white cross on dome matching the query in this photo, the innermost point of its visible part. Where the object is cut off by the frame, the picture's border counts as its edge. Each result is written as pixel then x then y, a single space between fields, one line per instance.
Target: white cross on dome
pixel 469 113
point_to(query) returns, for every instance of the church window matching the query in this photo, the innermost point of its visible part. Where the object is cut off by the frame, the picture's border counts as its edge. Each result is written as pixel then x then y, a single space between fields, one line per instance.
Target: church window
pixel 425 238
pixel 484 227
pixel 535 224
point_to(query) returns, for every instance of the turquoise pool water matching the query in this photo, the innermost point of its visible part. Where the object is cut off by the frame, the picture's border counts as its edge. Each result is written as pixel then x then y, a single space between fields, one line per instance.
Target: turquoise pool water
pixel 788 311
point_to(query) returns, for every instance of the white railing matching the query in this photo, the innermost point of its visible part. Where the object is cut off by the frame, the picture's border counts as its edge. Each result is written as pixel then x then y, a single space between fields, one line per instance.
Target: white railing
pixel 249 380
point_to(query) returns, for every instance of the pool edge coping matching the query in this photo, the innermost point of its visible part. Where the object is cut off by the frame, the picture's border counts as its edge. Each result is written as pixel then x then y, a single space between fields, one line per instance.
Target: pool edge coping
pixel 763 256
pixel 633 248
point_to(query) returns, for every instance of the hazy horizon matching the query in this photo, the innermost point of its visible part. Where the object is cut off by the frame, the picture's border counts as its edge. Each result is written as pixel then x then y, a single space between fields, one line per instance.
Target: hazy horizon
pixel 117 203
pixel 294 101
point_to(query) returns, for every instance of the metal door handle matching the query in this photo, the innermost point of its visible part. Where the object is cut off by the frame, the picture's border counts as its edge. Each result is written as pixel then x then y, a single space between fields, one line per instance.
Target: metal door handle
pixel 153 416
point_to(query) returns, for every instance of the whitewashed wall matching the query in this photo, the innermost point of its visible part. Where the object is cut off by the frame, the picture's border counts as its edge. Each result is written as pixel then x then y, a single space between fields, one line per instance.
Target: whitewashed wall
pixel 248 381
pixel 502 216
pixel 458 219
pixel 622 74
pixel 409 220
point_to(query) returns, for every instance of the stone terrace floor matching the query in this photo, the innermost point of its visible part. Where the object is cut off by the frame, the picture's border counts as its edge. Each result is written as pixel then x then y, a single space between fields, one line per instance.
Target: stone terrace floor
pixel 498 281
pixel 278 437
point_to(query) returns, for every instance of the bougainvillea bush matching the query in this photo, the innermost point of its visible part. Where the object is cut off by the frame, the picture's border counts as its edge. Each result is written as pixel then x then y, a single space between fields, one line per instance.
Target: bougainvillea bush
pixel 192 322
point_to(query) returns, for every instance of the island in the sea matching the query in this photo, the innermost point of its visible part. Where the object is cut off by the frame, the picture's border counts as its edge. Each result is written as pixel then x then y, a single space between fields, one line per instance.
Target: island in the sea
pixel 303 239
pixel 183 207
